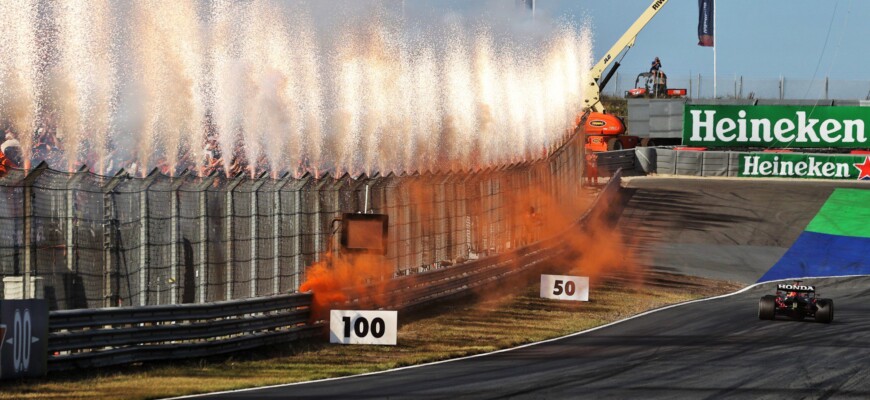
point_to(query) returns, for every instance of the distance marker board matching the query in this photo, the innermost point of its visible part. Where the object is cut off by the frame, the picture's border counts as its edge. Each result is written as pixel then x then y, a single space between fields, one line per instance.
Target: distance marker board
pixel 363 327
pixel 23 338
pixel 565 287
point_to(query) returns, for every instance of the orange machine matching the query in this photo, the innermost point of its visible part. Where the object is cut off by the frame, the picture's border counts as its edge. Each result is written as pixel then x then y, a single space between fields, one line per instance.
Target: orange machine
pixel 606 132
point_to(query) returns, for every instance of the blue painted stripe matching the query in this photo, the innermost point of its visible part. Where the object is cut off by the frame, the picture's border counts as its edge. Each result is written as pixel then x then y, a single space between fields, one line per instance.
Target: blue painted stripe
pixel 820 254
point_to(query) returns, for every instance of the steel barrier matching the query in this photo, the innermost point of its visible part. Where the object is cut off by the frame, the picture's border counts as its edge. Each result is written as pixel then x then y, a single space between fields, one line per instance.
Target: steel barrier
pixel 611 161
pixel 112 336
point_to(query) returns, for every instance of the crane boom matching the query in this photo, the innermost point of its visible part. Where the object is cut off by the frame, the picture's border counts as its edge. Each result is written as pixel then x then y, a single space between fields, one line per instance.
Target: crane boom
pixel 593 90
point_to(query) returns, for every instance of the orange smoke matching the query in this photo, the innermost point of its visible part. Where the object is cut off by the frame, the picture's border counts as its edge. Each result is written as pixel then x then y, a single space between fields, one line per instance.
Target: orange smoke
pixel 600 249
pixel 335 280
pixel 595 248
pixel 501 213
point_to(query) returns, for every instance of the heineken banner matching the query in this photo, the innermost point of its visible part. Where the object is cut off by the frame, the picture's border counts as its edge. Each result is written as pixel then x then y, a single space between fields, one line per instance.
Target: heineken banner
pixel 776 126
pixel 817 166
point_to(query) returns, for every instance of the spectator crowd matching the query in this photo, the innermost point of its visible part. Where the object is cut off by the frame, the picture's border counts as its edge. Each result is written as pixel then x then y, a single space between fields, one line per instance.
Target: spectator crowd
pixel 48 146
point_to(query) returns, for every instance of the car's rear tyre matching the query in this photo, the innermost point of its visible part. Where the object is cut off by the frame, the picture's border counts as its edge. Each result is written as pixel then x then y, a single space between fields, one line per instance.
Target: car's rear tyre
pixel 825 311
pixel 647 142
pixel 767 307
pixel 614 144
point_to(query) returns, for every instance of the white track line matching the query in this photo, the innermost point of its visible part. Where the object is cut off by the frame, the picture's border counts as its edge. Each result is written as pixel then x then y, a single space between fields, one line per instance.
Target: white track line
pixel 645 313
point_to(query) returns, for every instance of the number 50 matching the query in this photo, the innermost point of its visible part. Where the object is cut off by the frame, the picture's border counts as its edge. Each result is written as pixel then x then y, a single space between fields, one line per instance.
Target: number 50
pixel 569 288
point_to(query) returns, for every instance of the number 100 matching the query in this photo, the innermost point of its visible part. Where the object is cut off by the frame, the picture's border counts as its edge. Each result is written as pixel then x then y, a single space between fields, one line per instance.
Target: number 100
pixel 361 327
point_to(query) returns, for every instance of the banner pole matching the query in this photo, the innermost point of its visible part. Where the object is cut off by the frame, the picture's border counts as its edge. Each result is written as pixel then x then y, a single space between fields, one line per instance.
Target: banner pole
pixel 715 44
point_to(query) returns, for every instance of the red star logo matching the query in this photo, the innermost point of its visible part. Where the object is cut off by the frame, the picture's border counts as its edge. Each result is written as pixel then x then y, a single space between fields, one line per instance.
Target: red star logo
pixel 864 169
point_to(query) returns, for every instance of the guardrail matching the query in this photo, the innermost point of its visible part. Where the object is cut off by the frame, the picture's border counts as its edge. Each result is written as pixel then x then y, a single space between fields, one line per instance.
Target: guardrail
pixel 114 336
pixel 611 161
pixel 414 291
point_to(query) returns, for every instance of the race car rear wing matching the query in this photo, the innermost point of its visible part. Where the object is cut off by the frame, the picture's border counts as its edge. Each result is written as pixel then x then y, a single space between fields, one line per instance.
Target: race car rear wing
pixel 796 288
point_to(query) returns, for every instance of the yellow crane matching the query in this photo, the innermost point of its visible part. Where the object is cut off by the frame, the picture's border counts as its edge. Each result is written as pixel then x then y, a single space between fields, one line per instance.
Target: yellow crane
pixel 605 131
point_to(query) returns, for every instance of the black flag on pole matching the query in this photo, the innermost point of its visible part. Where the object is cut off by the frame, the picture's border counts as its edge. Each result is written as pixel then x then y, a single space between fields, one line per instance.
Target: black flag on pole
pixel 705 23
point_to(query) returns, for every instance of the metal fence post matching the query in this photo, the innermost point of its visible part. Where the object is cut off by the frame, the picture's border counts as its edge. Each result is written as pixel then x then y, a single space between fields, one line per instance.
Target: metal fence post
pixel 231 255
pixel 462 223
pixel 471 213
pixel 202 268
pixel 425 221
pixel 173 233
pixel 299 242
pixel 616 90
pixel 111 268
pixel 827 83
pixel 258 183
pixel 321 241
pixel 397 195
pixel 735 87
pixel 441 221
pixel 501 238
pixel 277 211
pixel 143 247
pixel 71 218
pixel 144 239
pixel 330 197
pixel 29 246
pixel 485 186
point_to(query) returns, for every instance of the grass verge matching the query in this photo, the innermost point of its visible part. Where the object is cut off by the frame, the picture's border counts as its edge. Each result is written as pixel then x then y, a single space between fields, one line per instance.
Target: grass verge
pixel 460 328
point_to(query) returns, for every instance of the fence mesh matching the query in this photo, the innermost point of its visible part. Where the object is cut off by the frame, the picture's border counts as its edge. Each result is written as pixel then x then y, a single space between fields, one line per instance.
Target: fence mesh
pixel 91 241
pixel 740 87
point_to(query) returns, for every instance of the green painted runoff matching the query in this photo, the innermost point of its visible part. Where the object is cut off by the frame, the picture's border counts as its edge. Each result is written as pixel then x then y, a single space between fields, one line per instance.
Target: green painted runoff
pixel 846 213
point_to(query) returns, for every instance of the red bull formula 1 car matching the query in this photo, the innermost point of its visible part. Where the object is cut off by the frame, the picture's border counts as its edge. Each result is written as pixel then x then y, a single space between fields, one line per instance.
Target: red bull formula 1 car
pixel 796 301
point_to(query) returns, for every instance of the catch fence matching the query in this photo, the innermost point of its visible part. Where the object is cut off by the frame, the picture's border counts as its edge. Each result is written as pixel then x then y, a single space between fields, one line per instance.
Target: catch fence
pixel 739 87
pixel 82 240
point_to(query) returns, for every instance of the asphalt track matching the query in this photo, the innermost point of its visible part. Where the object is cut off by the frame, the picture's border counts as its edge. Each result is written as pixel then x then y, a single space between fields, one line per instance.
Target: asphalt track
pixel 732 229
pixel 709 349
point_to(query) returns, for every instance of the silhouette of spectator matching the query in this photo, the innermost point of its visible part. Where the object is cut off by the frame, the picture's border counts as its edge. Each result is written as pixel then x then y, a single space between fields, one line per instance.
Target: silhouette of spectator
pixel 591 177
pixel 656 65
pixel 12 149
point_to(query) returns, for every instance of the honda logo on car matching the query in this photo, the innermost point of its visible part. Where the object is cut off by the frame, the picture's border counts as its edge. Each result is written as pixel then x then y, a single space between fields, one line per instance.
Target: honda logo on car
pixel 796 288
pixel 776 126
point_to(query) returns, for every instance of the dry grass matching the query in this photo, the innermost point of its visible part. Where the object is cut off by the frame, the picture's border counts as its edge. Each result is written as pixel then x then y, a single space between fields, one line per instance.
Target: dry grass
pixel 458 329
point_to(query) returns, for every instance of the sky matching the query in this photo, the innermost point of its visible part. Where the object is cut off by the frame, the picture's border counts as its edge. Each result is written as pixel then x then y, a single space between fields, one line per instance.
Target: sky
pixel 754 38
pixel 759 39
